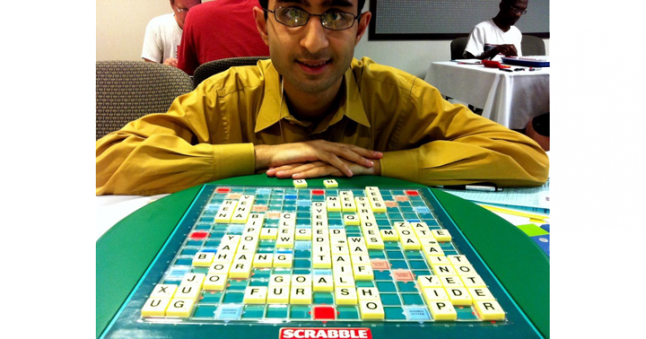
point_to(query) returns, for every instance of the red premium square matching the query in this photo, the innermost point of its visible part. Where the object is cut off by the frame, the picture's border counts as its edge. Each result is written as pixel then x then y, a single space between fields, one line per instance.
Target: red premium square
pixel 199 235
pixel 324 313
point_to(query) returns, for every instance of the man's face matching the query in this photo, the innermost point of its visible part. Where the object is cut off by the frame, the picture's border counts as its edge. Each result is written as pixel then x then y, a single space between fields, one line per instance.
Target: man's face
pixel 311 58
pixel 181 7
pixel 512 10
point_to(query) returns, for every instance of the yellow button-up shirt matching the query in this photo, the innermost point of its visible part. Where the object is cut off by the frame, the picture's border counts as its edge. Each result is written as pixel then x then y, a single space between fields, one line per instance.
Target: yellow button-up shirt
pixel 209 134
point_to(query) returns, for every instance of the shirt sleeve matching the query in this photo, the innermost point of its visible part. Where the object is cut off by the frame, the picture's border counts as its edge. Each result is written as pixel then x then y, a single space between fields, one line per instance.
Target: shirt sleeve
pixel 476 42
pixel 165 153
pixel 152 49
pixel 454 146
pixel 187 59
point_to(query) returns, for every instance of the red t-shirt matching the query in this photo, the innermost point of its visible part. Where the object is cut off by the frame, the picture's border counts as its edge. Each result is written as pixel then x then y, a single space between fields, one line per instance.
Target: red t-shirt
pixel 218 30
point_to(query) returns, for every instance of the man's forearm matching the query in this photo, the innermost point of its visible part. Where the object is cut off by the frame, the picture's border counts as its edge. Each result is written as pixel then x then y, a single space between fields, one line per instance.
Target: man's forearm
pixel 488 54
pixel 261 154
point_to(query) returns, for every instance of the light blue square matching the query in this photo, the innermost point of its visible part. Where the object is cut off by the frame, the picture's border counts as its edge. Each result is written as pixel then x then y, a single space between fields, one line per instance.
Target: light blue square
pixel 235 228
pixel 417 313
pixel 421 209
pixel 302 245
pixel 304 203
pixel 177 273
pixel 229 312
pixel 322 272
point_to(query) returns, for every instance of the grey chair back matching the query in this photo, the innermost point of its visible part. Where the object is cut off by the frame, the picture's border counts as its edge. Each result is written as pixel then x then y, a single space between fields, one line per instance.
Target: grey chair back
pixel 532 45
pixel 210 68
pixel 457 47
pixel 128 90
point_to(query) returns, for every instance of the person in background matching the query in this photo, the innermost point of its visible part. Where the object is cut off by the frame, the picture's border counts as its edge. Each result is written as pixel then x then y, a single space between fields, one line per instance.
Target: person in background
pixel 313 111
pixel 218 30
pixel 164 34
pixel 498 35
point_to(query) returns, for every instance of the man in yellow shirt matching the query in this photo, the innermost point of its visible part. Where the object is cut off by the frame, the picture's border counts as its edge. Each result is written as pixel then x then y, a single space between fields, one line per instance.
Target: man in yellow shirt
pixel 313 111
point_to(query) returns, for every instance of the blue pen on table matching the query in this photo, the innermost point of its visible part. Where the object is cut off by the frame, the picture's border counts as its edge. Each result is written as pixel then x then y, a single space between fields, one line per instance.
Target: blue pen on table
pixel 474 187
pixel 506 70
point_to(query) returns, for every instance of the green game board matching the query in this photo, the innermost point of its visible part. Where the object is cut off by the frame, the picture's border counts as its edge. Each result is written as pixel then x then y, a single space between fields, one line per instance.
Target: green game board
pixel 393 291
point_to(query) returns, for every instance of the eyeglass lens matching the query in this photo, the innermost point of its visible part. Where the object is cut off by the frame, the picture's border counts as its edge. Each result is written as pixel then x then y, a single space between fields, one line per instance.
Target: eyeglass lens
pixel 334 20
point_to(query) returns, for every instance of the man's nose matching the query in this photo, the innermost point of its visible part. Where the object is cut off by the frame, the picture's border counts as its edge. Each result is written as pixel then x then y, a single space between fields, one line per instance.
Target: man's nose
pixel 315 38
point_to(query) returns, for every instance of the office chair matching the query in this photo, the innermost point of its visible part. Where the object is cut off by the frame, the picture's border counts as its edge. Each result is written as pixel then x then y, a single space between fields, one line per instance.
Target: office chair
pixel 531 45
pixel 210 68
pixel 128 90
pixel 457 47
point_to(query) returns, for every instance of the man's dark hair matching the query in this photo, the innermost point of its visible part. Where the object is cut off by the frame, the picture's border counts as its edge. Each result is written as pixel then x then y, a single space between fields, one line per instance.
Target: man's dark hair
pixel 265 3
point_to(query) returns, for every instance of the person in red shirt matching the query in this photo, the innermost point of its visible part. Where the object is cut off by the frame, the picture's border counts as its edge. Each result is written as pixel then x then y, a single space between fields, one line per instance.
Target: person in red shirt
pixel 218 30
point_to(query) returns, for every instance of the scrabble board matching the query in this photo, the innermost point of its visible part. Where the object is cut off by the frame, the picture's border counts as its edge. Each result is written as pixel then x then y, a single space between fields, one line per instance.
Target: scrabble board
pixel 301 258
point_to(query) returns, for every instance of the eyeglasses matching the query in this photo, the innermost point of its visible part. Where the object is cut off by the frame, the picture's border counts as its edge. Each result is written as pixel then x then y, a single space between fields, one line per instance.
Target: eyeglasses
pixel 516 9
pixel 332 19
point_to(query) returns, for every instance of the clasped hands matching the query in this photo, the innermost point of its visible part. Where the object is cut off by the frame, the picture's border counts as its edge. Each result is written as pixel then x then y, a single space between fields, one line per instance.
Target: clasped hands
pixel 318 158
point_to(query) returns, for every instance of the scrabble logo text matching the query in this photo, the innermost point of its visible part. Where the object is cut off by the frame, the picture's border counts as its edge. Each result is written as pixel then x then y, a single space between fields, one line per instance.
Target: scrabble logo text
pixel 318 333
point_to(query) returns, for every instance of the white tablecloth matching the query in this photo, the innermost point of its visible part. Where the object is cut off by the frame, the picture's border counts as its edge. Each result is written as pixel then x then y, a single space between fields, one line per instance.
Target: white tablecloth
pixel 110 209
pixel 510 99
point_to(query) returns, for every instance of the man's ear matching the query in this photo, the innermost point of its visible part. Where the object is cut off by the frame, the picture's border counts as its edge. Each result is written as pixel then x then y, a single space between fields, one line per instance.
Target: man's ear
pixel 261 24
pixel 363 25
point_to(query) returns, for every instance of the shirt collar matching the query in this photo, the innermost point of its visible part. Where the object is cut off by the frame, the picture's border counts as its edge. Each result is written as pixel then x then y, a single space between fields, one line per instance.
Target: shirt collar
pixel 271 111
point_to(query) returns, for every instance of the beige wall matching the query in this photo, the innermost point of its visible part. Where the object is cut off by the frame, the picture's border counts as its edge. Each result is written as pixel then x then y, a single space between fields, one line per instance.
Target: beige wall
pixel 121 24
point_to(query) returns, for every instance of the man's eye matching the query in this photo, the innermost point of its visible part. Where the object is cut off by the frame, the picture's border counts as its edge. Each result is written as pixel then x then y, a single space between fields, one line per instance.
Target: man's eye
pixel 334 16
pixel 293 13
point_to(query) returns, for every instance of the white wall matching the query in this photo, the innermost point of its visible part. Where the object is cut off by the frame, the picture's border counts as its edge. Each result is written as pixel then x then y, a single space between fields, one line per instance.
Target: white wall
pixel 121 24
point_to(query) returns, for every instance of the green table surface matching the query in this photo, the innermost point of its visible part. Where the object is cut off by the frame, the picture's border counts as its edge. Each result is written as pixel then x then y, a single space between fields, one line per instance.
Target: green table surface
pixel 125 251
